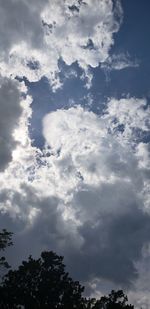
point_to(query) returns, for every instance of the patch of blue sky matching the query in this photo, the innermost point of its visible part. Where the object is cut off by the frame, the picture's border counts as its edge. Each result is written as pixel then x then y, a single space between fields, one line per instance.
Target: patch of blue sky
pixel 133 81
pixel 133 38
pixel 45 100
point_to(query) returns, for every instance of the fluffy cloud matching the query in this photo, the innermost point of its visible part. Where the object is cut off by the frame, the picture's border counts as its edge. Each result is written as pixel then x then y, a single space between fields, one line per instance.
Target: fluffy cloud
pixel 10 112
pixel 70 30
pixel 129 118
pixel 85 191
pixel 86 194
pixel 114 239
pixel 99 148
pixel 21 21
pixel 99 165
pixel 141 285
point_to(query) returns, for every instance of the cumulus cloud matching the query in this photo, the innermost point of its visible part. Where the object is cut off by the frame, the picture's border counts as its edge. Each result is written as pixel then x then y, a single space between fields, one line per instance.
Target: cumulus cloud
pixel 70 30
pixel 116 134
pixel 21 21
pixel 116 238
pixel 10 112
pixel 91 182
pixel 86 194
pixel 100 165
pixel 129 118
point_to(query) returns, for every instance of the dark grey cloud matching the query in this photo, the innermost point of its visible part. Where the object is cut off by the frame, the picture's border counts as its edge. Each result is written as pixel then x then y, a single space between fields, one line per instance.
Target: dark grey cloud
pixel 10 111
pixel 21 21
pixel 113 245
pixel 37 223
pixel 106 245
pixel 114 233
pixel 98 223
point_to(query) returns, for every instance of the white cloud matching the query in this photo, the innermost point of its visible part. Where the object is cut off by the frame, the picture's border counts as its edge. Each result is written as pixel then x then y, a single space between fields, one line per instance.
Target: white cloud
pixel 60 29
pixel 83 150
pixel 95 174
pixel 101 168
pixel 128 118
pixel 86 194
pixel 119 62
pixel 82 138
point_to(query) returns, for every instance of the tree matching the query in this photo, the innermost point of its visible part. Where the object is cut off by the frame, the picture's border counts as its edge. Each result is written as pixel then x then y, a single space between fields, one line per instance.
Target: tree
pixel 115 300
pixel 41 283
pixel 5 241
pixel 44 283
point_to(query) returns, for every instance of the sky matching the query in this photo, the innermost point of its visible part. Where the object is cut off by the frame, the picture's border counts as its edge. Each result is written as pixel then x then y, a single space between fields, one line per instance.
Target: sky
pixel 74 138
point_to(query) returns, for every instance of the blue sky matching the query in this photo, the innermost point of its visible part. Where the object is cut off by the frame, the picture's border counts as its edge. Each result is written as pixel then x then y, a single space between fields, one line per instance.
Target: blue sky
pixel 130 41
pixel 74 143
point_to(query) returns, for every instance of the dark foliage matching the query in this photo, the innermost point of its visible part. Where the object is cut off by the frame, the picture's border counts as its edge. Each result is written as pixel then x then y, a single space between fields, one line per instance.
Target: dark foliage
pixel 5 241
pixel 44 283
pixel 115 300
pixel 41 283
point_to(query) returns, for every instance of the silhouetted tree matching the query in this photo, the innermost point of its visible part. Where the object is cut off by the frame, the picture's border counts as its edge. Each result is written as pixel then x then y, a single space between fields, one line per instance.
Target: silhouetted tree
pixel 5 241
pixel 44 283
pixel 41 283
pixel 115 300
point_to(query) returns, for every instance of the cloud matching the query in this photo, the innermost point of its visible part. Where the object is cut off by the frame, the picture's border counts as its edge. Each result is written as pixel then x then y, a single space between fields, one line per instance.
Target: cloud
pixel 20 21
pixel 98 148
pixel 84 194
pixel 101 168
pixel 10 112
pixel 68 30
pixel 141 287
pixel 119 62
pixel 129 118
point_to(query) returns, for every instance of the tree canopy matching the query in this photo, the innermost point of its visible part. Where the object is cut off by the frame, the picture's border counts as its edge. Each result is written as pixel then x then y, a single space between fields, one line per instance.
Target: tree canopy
pixel 43 283
pixel 5 241
pixel 115 300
